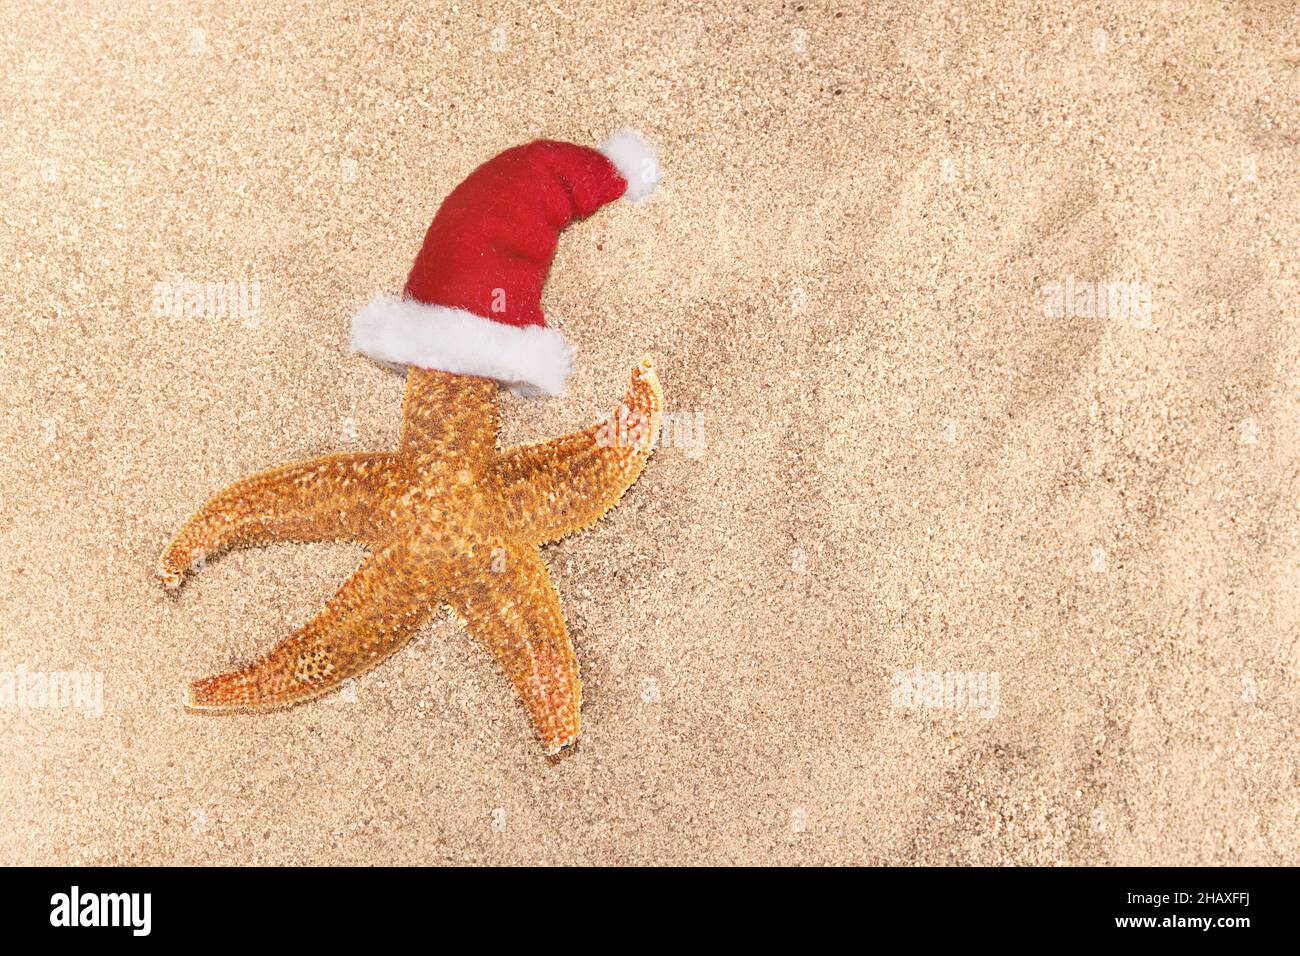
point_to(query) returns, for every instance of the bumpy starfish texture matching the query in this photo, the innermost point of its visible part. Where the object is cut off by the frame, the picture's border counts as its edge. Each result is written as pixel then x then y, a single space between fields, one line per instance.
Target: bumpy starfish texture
pixel 448 519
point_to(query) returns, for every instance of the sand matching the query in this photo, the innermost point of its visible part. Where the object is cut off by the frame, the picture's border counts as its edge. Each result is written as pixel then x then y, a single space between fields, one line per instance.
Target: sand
pixel 866 277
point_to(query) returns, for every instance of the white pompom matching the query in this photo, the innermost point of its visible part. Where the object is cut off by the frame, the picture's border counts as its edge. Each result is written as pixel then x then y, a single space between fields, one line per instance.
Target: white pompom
pixel 636 161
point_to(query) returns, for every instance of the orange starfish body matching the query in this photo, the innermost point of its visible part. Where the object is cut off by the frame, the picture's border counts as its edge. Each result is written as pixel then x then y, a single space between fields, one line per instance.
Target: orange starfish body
pixel 448 519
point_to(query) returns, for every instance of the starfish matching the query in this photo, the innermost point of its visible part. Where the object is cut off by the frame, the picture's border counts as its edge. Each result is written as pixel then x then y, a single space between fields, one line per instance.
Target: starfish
pixel 448 520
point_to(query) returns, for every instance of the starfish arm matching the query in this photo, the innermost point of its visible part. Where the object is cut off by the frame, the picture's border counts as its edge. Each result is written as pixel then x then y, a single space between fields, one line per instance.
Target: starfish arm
pixel 448 417
pixel 337 498
pixel 370 617
pixel 512 609
pixel 555 488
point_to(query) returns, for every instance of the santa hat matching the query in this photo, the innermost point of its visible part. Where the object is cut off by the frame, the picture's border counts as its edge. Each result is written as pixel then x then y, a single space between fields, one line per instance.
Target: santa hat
pixel 472 303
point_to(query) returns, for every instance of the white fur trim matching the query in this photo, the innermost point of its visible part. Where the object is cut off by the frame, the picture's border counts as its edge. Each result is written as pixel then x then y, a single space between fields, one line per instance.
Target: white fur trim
pixel 636 161
pixel 533 360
